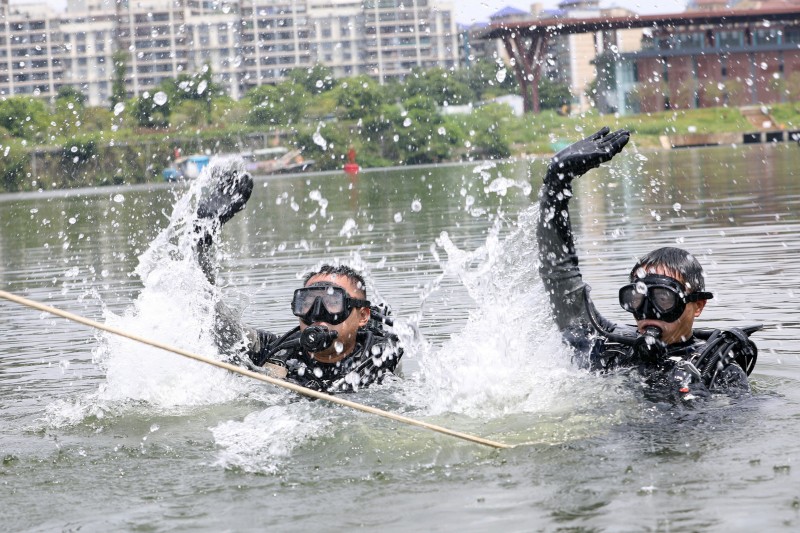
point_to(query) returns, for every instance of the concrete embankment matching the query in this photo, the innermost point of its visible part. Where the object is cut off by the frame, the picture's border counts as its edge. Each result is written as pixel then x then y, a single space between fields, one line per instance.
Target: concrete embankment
pixel 690 140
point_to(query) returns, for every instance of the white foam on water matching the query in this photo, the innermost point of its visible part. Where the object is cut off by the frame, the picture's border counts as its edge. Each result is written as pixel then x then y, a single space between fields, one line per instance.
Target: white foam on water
pixel 263 440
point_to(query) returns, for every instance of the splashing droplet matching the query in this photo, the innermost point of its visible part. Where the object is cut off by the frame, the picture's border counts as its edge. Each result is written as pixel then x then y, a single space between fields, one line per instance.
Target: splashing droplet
pixel 319 140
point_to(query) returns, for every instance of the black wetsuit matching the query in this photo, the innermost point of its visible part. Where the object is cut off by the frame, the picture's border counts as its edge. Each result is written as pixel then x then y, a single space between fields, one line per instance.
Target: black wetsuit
pixel 711 360
pixel 375 355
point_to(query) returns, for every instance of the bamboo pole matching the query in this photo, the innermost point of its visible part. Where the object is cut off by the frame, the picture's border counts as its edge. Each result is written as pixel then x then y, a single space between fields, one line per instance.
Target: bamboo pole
pixel 249 373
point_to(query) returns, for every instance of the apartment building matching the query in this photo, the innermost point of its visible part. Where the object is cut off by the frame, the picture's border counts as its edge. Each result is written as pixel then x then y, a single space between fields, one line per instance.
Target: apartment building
pixel 245 42
pixel 30 51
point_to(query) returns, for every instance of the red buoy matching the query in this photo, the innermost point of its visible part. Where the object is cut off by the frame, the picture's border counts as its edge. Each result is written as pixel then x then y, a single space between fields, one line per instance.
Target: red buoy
pixel 351 167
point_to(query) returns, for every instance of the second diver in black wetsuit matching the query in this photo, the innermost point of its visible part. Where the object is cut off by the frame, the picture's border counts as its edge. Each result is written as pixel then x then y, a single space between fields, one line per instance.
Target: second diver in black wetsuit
pixel 665 293
pixel 341 343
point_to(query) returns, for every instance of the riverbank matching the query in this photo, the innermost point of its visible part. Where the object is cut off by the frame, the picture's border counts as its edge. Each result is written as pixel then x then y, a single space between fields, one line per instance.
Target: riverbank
pixel 102 159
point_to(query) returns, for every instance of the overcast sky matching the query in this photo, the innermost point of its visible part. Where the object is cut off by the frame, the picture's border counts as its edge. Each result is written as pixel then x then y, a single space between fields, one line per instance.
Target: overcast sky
pixel 469 11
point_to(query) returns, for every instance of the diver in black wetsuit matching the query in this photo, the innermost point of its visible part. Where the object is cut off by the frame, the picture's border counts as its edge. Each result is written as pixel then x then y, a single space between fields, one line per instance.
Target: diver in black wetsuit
pixel 340 345
pixel 665 293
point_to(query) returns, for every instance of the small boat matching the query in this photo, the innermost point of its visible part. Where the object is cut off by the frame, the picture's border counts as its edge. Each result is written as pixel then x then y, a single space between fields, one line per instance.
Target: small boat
pixel 188 167
pixel 275 160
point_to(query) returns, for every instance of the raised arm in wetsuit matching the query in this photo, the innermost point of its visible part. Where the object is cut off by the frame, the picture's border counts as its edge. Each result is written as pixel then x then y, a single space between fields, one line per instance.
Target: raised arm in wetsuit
pixel 341 343
pixel 665 294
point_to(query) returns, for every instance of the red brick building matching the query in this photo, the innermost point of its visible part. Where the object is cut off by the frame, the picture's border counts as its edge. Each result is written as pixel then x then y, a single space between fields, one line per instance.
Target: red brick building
pixel 744 56
pixel 747 61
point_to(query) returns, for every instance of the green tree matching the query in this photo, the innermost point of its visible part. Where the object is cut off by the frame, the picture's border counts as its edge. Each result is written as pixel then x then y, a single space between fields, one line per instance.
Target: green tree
pixel 68 111
pixel 420 133
pixel 793 87
pixel 189 114
pixel 376 131
pixel 67 93
pixel 151 110
pixel 491 123
pixel 326 144
pixel 736 93
pixel 275 105
pixel 119 94
pixel 440 84
pixel 23 117
pixel 13 168
pixel 487 79
pixel 359 97
pixel 553 94
pixel 315 80
pixel 197 87
pixel 76 157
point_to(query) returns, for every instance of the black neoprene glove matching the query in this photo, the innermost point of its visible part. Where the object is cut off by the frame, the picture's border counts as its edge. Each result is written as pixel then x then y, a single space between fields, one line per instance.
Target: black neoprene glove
pixel 586 154
pixel 228 196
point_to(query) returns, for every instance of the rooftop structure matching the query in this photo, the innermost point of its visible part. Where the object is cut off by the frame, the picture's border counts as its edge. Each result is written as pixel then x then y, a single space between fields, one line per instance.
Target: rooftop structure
pixel 527 42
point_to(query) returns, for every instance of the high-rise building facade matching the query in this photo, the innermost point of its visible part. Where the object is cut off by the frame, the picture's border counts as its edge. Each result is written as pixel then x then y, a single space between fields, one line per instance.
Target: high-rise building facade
pixel 30 50
pixel 246 43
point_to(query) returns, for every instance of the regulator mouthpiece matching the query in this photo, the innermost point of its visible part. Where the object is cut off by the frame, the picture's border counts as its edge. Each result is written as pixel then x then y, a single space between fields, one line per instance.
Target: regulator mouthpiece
pixel 317 338
pixel 653 331
pixel 649 345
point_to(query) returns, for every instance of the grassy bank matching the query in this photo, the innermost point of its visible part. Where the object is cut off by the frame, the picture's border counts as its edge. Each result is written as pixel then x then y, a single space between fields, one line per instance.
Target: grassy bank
pixel 139 156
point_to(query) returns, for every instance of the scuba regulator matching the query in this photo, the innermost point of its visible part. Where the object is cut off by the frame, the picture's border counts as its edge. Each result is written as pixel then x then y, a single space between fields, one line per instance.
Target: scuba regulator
pixel 648 346
pixel 317 338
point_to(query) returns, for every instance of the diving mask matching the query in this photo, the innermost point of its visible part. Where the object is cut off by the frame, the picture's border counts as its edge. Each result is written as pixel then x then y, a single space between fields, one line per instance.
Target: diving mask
pixel 657 297
pixel 324 302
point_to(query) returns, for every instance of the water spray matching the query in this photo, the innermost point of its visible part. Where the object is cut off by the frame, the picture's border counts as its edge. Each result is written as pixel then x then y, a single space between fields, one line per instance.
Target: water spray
pixel 249 373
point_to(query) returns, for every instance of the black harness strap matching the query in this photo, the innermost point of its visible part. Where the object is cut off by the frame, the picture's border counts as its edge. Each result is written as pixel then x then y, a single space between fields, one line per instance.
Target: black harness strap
pixel 720 343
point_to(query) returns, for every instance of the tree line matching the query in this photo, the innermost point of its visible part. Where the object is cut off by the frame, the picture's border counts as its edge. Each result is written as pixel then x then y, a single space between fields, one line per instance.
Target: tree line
pixel 65 143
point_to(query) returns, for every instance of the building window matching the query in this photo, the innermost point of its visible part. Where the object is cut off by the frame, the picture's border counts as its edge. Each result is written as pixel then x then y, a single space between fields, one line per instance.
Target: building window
pixel 767 37
pixel 730 39
pixel 792 35
pixel 689 40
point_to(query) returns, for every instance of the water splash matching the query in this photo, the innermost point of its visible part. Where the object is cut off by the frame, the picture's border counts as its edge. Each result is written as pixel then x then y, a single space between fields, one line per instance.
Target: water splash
pixel 509 357
pixel 176 307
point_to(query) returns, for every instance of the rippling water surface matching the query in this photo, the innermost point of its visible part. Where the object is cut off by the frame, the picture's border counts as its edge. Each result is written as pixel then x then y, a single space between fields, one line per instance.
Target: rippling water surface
pixel 100 433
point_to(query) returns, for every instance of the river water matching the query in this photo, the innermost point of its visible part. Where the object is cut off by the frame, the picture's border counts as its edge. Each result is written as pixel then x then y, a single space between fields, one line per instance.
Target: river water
pixel 102 434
